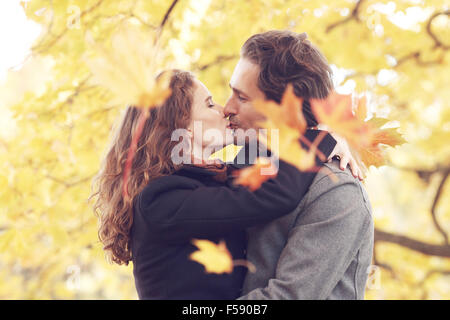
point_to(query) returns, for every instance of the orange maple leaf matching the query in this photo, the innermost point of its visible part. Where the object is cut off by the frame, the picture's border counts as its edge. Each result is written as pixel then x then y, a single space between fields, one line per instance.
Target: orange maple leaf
pixel 336 113
pixel 289 112
pixel 374 154
pixel 291 107
pixel 288 120
pixel 389 136
pixel 254 176
pixel 366 137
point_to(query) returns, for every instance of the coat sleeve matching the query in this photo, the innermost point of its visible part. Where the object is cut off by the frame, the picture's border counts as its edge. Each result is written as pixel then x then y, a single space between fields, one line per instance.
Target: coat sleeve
pixel 186 209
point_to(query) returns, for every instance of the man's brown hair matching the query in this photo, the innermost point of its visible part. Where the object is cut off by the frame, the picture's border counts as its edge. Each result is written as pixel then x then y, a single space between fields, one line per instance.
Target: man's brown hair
pixel 287 57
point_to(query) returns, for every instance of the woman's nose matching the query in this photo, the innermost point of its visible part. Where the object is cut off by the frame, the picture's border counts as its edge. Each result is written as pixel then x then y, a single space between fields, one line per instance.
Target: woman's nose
pixel 221 109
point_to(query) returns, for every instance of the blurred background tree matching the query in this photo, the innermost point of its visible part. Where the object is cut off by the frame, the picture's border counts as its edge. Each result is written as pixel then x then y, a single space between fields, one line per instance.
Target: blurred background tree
pixel 397 52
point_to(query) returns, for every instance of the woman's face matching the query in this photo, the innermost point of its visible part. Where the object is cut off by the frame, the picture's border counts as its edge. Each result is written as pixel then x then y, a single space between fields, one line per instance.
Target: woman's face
pixel 208 121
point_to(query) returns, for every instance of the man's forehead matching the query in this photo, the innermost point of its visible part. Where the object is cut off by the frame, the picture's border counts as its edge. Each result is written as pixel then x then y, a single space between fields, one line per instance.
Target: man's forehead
pixel 245 76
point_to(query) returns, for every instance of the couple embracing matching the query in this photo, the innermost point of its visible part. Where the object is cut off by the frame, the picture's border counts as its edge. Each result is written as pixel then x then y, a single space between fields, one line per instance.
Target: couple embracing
pixel 308 235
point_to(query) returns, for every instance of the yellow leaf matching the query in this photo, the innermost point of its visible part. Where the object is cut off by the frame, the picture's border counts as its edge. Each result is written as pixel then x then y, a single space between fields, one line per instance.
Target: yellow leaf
pixel 214 257
pixel 287 144
pixel 288 121
pixel 226 154
pixel 287 113
pixel 374 154
pixel 128 68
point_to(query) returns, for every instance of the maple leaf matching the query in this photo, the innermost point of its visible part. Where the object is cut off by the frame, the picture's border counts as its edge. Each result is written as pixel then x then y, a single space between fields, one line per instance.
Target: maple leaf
pixel 366 137
pixel 290 124
pixel 374 154
pixel 336 113
pixel 214 257
pixel 287 147
pixel 254 176
pixel 388 136
pixel 128 68
pixel 289 112
pixel 291 107
pixel 226 154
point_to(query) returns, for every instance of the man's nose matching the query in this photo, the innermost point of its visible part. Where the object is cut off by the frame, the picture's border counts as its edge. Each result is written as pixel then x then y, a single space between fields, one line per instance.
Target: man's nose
pixel 230 108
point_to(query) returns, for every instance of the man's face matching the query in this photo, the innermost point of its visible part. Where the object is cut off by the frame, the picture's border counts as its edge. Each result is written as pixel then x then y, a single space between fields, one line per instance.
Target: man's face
pixel 244 84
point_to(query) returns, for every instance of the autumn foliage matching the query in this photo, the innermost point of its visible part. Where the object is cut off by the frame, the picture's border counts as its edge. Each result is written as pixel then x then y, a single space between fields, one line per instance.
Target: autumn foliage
pixel 391 65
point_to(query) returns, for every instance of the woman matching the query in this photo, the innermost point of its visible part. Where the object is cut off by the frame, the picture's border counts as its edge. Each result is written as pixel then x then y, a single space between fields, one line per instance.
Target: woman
pixel 173 203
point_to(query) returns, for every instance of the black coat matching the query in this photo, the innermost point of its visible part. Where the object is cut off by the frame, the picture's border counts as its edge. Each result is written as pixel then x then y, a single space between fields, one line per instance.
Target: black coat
pixel 174 209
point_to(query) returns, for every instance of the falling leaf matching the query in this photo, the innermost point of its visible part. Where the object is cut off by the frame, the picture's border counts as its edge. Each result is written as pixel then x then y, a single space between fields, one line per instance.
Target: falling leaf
pixel 254 176
pixel 389 136
pixel 226 154
pixel 291 107
pixel 214 257
pixel 374 154
pixel 289 124
pixel 336 113
pixel 366 137
pixel 288 112
pixel 128 68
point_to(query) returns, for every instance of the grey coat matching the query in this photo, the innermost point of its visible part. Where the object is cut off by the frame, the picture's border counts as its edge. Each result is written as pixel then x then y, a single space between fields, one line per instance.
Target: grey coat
pixel 322 250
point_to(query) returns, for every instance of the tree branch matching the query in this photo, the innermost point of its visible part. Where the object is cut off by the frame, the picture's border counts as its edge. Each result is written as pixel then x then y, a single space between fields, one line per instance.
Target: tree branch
pixel 81 87
pixel 437 42
pixel 56 38
pixel 419 246
pixel 166 16
pixel 424 174
pixel 69 184
pixel 383 265
pixel 219 59
pixel 164 20
pixel 435 202
pixel 353 16
pixel 415 55
pixel 433 272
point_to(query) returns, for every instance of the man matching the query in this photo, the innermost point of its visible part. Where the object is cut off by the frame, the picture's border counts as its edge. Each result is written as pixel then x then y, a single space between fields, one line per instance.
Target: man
pixel 323 249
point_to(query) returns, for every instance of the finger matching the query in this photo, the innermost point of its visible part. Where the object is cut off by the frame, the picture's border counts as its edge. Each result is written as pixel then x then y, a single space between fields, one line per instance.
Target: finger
pixel 354 168
pixel 361 175
pixel 343 163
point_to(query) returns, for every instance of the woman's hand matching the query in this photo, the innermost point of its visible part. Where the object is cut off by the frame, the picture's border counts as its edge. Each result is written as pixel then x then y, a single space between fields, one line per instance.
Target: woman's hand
pixel 342 151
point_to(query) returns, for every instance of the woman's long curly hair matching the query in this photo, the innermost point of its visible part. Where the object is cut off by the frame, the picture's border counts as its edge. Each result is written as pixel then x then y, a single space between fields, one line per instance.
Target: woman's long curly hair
pixel 151 160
